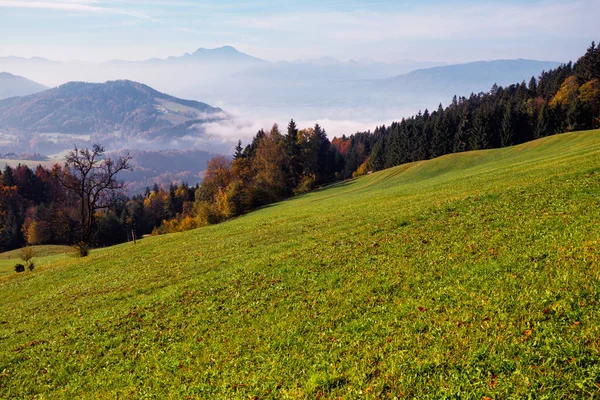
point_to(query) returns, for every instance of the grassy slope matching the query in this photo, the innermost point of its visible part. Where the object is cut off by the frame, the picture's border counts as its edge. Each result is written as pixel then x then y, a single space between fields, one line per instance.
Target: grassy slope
pixel 43 255
pixel 470 275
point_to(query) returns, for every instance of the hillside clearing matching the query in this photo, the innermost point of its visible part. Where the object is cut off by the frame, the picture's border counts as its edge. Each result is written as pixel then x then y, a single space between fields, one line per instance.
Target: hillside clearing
pixel 470 275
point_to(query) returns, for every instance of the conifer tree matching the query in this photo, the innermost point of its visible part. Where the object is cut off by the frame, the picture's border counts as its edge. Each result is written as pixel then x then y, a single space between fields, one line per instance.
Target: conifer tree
pixel 377 159
pixel 239 151
pixel 506 130
pixel 8 178
pixel 541 127
pixel 532 87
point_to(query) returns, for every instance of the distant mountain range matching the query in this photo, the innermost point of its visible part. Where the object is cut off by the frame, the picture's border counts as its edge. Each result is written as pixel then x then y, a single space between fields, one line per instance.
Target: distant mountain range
pixel 347 91
pixel 462 79
pixel 13 85
pixel 121 113
pixel 308 90
pixel 117 113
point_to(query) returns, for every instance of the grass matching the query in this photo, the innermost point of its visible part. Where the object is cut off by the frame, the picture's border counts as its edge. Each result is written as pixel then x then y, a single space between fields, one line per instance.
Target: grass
pixel 470 276
pixel 44 255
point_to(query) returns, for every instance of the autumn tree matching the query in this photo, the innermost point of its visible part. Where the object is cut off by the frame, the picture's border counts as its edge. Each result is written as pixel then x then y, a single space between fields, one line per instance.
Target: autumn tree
pixel 218 176
pixel 92 177
pixel 269 164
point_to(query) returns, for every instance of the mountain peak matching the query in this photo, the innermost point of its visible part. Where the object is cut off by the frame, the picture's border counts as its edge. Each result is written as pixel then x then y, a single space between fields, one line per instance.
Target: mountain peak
pixel 223 54
pixel 217 50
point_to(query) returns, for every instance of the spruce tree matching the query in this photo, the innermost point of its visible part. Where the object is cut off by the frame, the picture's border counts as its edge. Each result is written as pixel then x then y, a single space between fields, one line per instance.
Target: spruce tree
pixel 478 135
pixel 377 159
pixel 541 127
pixel 293 168
pixel 8 178
pixel 532 87
pixel 239 151
pixel 506 130
pixel 464 126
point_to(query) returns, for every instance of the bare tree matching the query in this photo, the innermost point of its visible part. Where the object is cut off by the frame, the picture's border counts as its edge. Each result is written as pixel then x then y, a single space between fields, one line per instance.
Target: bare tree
pixel 93 179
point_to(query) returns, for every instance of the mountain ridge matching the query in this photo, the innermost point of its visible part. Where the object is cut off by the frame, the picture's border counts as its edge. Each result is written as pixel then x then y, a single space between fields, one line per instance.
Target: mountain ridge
pixel 121 111
pixel 15 86
pixel 479 75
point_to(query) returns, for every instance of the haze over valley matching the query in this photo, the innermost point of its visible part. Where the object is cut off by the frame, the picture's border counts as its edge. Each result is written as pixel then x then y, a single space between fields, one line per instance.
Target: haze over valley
pixel 251 93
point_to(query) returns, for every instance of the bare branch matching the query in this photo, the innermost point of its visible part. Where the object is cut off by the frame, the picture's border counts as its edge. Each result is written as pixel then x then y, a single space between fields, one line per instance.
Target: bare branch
pixel 93 179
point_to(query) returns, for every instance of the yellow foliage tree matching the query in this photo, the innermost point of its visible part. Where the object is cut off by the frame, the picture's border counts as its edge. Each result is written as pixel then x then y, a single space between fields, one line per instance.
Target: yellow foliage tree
pixel 567 94
pixel 589 93
pixel 362 170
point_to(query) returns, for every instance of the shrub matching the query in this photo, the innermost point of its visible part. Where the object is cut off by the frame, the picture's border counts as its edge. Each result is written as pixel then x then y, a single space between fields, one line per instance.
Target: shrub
pixel 27 254
pixel 82 249
pixel 207 214
pixel 306 184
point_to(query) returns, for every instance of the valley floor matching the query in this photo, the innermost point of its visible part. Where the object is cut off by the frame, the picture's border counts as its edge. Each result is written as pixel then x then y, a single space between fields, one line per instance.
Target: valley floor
pixel 473 275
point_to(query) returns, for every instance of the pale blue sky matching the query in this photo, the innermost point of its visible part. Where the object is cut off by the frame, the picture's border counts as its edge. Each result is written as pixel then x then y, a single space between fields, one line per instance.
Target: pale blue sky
pixel 385 30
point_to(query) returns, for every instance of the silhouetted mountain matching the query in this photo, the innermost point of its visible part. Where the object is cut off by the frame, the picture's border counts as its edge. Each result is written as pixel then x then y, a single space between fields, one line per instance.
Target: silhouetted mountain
pixel 220 55
pixel 116 113
pixel 13 85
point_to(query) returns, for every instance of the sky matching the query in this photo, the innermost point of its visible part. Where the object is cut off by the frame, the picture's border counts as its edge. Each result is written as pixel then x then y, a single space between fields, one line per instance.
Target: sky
pixel 382 30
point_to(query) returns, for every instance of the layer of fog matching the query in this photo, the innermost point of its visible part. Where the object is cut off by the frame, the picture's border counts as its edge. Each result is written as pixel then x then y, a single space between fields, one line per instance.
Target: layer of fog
pixel 344 97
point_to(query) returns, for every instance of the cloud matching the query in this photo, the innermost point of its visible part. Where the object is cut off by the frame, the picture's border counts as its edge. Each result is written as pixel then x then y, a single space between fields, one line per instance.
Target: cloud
pixel 442 21
pixel 415 28
pixel 81 6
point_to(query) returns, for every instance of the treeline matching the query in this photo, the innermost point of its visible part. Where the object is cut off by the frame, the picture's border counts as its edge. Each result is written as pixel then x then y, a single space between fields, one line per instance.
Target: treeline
pixel 36 208
pixel 272 167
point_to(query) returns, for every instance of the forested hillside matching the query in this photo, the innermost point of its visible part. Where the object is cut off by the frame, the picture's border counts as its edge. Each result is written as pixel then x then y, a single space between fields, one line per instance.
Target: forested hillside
pixel 120 114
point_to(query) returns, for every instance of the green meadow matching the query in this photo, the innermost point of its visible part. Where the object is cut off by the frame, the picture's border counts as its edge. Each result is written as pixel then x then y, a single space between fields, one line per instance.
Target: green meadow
pixel 473 275
pixel 44 255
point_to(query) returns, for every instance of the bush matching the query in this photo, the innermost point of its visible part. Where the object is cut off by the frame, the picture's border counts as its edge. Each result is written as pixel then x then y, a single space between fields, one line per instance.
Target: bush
pixel 82 249
pixel 19 268
pixel 207 214
pixel 27 254
pixel 306 184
